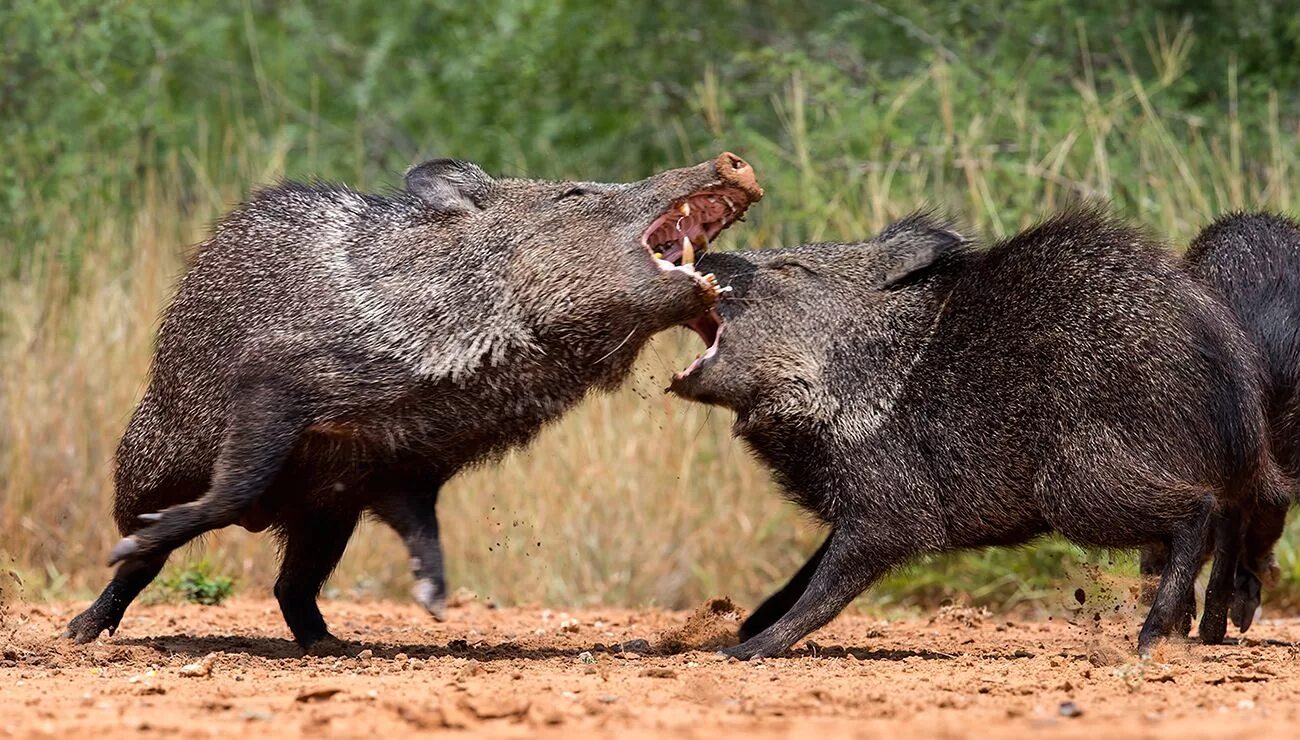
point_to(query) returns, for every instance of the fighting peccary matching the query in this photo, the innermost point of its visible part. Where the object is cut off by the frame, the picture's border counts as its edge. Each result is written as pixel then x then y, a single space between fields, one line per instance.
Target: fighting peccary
pixel 331 352
pixel 920 396
pixel 1252 261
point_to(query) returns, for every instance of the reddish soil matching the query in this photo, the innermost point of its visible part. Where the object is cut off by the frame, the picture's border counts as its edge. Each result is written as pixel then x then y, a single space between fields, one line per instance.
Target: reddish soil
pixel 229 670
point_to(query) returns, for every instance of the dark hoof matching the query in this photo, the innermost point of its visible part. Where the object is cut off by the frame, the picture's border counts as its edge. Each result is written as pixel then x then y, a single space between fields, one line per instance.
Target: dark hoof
pixel 747 650
pixel 1212 634
pixel 1147 643
pixel 1246 599
pixel 433 599
pixel 127 548
pixel 87 627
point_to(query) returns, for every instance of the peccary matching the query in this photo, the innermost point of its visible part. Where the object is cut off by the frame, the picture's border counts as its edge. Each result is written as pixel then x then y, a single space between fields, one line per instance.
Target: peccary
pixel 1252 261
pixel 331 352
pixel 920 396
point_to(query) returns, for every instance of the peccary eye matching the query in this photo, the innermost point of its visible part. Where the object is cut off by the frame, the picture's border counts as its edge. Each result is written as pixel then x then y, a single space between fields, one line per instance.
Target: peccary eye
pixel 574 193
pixel 791 266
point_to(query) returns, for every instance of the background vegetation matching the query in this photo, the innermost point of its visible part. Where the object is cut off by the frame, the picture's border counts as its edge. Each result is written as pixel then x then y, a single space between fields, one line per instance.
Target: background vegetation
pixel 127 127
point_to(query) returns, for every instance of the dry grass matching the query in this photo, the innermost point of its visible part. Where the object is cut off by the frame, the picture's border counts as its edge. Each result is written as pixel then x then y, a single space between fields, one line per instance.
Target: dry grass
pixel 634 498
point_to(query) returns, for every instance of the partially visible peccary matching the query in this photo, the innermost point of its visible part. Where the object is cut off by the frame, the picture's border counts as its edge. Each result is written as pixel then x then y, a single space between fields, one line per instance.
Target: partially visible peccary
pixel 1253 262
pixel 920 396
pixel 331 352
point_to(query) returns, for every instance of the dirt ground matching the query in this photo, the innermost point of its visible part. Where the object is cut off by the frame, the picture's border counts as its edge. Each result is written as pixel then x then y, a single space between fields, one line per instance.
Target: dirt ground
pixel 959 672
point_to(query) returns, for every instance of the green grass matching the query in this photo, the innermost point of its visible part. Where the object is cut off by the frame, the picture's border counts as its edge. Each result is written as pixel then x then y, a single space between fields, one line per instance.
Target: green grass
pixel 194 583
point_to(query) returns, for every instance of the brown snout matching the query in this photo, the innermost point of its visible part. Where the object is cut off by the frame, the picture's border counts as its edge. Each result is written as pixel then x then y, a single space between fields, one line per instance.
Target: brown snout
pixel 736 172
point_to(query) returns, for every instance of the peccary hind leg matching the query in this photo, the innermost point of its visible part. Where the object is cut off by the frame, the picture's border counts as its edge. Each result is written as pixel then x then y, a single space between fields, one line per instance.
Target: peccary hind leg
pixel 776 605
pixel 415 518
pixel 1258 566
pixel 1221 587
pixel 313 544
pixel 265 425
pixel 106 613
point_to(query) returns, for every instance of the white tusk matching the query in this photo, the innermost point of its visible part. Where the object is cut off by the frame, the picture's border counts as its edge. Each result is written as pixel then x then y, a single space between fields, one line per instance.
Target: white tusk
pixel 688 252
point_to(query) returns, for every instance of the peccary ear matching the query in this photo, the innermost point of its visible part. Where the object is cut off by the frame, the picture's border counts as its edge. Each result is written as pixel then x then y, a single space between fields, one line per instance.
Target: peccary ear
pixel 914 243
pixel 449 184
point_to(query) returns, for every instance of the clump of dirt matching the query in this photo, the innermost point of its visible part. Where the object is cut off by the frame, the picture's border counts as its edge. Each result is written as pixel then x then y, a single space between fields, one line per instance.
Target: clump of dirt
pixel 963 616
pixel 7 596
pixel 1106 651
pixel 712 626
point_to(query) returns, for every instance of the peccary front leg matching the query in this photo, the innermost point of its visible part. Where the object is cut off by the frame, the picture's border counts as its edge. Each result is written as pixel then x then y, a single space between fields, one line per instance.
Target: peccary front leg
pixel 851 561
pixel 415 518
pixel 313 544
pixel 1177 584
pixel 264 426
pixel 780 602
pixel 106 613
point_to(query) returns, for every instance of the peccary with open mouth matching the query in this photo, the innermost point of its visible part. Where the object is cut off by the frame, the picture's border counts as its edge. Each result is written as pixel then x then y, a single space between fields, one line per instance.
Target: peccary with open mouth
pixel 921 396
pixel 331 352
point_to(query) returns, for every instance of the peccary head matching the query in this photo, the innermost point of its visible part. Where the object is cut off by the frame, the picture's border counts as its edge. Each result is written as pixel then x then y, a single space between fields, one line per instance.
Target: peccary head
pixel 798 316
pixel 558 231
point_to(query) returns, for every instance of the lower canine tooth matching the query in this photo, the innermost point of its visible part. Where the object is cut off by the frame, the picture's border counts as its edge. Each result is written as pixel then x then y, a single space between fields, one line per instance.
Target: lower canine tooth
pixel 688 252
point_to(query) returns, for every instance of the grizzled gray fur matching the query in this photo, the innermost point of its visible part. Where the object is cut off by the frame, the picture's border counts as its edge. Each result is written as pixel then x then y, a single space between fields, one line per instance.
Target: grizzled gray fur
pixel 1252 261
pixel 920 396
pixel 331 352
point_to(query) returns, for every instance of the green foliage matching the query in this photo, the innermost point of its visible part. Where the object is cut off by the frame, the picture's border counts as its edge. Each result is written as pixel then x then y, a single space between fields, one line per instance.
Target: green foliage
pixel 1002 577
pixel 94 93
pixel 197 583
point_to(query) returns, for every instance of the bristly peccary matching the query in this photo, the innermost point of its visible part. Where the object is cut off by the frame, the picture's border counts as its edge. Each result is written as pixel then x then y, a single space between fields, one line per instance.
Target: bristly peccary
pixel 331 352
pixel 922 396
pixel 1252 261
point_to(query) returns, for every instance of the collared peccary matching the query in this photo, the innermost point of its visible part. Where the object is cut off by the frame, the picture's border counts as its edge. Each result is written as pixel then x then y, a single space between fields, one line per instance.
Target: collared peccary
pixel 921 396
pixel 331 352
pixel 1252 261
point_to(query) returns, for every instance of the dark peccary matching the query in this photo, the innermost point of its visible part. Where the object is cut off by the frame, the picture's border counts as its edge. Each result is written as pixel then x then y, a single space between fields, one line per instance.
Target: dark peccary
pixel 920 396
pixel 1253 262
pixel 331 352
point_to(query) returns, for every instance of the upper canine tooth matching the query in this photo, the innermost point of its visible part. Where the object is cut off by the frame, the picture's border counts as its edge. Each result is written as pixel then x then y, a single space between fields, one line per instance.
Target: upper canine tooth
pixel 685 209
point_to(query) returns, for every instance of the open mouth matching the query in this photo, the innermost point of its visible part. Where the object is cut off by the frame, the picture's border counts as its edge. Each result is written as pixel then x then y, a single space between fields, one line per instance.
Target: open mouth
pixel 685 230
pixel 709 327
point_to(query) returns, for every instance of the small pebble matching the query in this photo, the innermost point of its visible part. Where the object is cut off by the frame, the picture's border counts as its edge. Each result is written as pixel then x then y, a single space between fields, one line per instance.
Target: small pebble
pixel 1070 709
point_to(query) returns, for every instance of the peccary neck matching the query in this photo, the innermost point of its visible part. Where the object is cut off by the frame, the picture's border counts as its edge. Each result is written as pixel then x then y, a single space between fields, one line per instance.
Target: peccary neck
pixel 858 413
